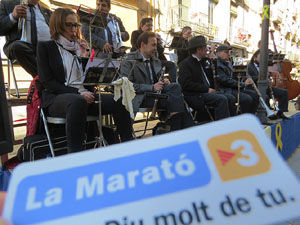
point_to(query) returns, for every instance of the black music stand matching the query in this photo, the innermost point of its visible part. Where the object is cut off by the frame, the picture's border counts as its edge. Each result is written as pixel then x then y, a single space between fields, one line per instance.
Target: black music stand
pixel 92 19
pixel 278 57
pixel 239 70
pixel 99 73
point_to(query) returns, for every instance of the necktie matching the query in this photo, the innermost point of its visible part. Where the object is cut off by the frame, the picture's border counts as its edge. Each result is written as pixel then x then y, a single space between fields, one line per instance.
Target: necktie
pixel 148 69
pixel 33 26
pixel 154 76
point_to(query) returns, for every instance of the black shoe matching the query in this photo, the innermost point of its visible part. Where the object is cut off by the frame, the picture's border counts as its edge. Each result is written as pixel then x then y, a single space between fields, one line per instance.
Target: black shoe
pixel 284 117
pixel 273 117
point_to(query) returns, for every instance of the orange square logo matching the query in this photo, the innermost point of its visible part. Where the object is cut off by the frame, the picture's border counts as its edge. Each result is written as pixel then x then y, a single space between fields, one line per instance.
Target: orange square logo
pixel 238 155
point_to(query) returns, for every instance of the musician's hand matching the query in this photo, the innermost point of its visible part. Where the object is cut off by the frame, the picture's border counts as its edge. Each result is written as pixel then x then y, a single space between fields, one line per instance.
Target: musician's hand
pixel 212 55
pixel 107 48
pixel 158 37
pixel 158 86
pixel 88 96
pixel 20 11
pixel 166 81
pixel 84 48
pixel 249 81
pixel 2 200
pixel 211 90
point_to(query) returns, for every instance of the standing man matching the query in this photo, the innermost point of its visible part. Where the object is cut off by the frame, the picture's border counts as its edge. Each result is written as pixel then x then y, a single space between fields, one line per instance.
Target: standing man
pixel 227 85
pixel 182 51
pixel 146 24
pixel 142 69
pixel 196 85
pixel 21 43
pixel 107 39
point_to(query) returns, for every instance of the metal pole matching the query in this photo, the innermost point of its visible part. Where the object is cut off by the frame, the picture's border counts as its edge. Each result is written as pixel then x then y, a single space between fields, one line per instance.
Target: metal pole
pixel 264 54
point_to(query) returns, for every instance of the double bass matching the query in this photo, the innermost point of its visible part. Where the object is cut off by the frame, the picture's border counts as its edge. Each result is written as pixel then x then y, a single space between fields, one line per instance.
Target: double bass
pixel 280 73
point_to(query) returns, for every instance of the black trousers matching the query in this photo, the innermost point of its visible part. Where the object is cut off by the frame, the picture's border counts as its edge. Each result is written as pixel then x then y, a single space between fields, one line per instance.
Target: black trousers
pixel 75 109
pixel 249 100
pixel 25 54
pixel 282 95
pixel 218 101
pixel 170 69
pixel 174 104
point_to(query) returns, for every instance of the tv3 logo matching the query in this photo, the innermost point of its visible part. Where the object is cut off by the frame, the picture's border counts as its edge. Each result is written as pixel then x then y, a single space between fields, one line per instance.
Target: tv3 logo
pixel 238 155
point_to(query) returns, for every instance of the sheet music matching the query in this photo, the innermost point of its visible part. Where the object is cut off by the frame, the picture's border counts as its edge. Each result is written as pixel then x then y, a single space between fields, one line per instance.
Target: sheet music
pixel 97 62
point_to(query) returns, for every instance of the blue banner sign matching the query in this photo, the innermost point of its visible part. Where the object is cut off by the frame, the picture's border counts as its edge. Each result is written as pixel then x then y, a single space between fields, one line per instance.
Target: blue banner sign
pixel 100 185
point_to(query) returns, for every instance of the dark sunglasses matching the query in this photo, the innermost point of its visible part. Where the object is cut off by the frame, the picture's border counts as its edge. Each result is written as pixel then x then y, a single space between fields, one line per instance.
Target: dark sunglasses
pixel 70 25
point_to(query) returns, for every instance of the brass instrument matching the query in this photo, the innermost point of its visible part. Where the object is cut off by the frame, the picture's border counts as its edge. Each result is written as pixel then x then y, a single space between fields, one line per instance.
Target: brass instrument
pixel 154 109
pixel 237 104
pixel 240 68
pixel 22 23
pixel 275 107
pixel 118 46
pixel 262 101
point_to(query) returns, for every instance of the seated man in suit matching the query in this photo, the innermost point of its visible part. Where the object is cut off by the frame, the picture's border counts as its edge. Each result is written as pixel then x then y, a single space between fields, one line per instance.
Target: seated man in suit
pixel 228 85
pixel 142 69
pixel 146 24
pixel 107 39
pixel 21 43
pixel 196 85
pixel 280 93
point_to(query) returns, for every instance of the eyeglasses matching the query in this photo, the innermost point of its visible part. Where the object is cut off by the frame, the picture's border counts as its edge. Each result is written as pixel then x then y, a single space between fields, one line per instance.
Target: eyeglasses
pixel 70 25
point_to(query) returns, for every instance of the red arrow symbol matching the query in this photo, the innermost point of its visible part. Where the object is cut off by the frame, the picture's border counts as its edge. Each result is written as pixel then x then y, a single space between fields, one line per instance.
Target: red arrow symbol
pixel 225 156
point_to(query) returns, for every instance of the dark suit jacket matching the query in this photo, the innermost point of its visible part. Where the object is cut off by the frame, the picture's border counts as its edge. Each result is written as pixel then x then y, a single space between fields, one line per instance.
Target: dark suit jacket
pixel 191 77
pixel 224 77
pixel 51 72
pixel 253 72
pixel 9 29
pixel 181 50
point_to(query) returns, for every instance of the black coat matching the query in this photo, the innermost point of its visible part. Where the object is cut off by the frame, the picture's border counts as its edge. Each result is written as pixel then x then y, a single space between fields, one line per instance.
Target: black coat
pixel 224 77
pixel 191 77
pixel 51 72
pixel 9 29
pixel 253 72
pixel 182 51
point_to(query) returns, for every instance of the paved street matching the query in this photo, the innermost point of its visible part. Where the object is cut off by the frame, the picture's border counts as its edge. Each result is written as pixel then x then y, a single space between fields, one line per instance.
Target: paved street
pixel 294 163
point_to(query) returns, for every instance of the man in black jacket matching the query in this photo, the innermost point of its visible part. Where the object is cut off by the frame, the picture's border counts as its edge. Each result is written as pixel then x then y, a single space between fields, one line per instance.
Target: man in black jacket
pixel 228 85
pixel 21 43
pixel 182 44
pixel 146 24
pixel 280 93
pixel 195 84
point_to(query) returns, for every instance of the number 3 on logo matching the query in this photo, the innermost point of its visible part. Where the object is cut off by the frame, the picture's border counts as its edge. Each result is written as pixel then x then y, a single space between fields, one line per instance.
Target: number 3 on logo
pixel 238 155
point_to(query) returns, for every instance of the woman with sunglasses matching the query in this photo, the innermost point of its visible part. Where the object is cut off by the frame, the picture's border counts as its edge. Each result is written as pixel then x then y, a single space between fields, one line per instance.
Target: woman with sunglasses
pixel 59 67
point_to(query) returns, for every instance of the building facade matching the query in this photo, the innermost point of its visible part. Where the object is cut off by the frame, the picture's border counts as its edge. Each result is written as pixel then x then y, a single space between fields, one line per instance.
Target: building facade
pixel 237 21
